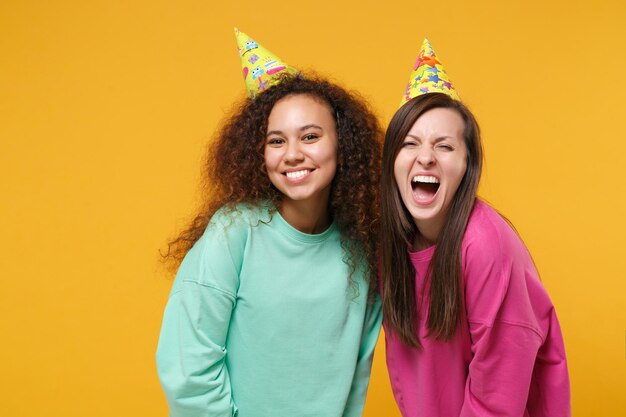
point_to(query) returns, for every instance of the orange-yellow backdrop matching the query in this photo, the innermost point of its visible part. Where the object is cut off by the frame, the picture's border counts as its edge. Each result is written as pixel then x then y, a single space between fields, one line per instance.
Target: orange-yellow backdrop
pixel 105 109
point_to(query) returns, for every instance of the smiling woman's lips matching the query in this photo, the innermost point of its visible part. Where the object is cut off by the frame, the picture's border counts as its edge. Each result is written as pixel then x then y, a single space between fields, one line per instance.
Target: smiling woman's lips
pixel 294 175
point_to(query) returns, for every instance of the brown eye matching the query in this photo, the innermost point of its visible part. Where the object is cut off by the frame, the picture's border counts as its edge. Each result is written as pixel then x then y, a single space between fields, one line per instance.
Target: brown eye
pixel 309 137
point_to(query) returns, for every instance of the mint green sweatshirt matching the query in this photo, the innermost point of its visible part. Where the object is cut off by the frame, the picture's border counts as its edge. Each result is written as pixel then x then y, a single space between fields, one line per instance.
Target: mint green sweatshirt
pixel 261 321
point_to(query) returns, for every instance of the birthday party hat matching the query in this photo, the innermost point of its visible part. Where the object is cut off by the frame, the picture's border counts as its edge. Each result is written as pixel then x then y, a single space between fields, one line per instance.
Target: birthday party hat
pixel 428 76
pixel 261 68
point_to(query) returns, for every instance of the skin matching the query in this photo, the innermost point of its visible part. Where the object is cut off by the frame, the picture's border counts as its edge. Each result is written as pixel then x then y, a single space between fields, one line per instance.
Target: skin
pixel 435 148
pixel 301 159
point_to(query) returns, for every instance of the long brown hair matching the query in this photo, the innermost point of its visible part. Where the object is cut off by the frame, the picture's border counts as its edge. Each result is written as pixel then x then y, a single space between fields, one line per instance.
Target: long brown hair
pixel 234 169
pixel 399 231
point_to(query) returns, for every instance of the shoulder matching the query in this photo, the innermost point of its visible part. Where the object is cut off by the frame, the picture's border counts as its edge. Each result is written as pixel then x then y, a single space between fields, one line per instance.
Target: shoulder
pixel 498 271
pixel 220 250
pixel 232 225
pixel 240 216
pixel 489 236
pixel 482 258
pixel 235 222
pixel 485 256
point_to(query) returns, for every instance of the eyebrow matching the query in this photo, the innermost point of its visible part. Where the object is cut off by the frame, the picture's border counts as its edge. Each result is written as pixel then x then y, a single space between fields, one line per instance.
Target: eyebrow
pixel 437 140
pixel 302 129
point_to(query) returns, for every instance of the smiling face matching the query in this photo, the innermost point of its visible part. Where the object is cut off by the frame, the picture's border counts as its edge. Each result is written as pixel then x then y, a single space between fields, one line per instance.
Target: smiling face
pixel 301 150
pixel 430 166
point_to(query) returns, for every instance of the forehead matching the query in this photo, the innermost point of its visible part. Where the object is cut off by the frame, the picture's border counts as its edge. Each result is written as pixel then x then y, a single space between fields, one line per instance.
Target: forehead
pixel 438 122
pixel 300 108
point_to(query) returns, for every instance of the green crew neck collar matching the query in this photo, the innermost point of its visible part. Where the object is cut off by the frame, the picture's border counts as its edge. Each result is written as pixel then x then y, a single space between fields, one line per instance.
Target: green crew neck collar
pixel 296 234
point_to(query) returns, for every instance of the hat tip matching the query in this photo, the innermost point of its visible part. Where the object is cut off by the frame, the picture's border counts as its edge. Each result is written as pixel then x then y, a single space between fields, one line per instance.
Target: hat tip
pixel 428 75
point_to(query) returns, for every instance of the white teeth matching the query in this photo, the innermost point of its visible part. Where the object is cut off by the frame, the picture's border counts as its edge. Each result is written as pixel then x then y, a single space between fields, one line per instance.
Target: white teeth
pixel 425 178
pixel 297 174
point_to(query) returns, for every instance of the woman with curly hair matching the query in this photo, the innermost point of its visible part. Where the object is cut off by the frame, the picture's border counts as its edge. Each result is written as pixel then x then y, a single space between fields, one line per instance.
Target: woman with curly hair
pixel 271 312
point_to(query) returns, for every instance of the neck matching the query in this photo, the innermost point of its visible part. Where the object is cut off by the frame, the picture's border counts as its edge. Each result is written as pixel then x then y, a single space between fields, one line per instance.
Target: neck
pixel 426 236
pixel 420 242
pixel 305 216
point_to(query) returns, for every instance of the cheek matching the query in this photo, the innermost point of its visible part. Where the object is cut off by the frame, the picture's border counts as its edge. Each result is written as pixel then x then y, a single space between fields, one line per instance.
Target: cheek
pixel 265 154
pixel 458 175
pixel 396 178
pixel 269 157
pixel 399 170
pixel 328 156
pixel 334 158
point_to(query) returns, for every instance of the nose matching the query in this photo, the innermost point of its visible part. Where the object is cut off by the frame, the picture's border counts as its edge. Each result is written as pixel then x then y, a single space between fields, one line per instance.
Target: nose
pixel 425 157
pixel 293 152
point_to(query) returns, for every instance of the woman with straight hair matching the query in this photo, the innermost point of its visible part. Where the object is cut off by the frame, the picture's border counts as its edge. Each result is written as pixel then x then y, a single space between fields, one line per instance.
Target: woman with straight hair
pixel 470 330
pixel 271 312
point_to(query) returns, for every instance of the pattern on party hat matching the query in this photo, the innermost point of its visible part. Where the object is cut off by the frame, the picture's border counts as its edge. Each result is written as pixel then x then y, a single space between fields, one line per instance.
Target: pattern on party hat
pixel 428 76
pixel 261 68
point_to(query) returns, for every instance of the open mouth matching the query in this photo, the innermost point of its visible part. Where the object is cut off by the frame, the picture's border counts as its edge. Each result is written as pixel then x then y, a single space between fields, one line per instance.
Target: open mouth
pixel 296 175
pixel 424 187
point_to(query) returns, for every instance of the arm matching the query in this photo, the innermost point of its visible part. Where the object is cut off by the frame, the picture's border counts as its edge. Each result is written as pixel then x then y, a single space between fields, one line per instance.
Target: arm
pixel 501 370
pixel 518 366
pixel 504 337
pixel 191 353
pixel 371 330
pixel 510 323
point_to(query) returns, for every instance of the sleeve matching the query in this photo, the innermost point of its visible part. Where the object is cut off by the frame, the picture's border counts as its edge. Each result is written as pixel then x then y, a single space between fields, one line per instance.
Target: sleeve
pixel 500 372
pixel 550 391
pixel 504 333
pixel 515 367
pixel 191 352
pixel 360 382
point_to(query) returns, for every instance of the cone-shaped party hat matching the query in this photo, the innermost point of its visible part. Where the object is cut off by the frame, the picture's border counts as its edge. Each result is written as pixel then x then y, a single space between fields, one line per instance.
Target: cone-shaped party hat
pixel 428 76
pixel 261 68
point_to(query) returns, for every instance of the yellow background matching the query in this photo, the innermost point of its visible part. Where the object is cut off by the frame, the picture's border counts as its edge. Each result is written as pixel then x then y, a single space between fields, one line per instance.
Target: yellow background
pixel 105 109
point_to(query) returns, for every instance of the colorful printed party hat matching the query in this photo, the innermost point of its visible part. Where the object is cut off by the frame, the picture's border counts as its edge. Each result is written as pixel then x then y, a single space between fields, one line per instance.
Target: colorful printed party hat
pixel 428 76
pixel 261 68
